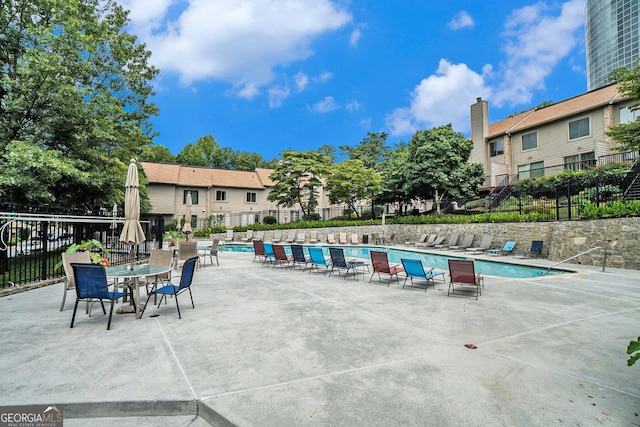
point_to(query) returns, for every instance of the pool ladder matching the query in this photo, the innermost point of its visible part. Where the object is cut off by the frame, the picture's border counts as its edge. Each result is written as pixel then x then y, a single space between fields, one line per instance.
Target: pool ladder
pixel 604 262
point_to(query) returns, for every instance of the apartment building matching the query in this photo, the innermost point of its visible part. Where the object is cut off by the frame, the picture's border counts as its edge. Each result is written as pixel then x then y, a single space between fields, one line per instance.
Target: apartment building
pixel 566 135
pixel 233 197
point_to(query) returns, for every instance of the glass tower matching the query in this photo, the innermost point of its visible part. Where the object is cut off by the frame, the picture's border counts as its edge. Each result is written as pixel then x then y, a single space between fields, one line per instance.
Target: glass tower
pixel 612 37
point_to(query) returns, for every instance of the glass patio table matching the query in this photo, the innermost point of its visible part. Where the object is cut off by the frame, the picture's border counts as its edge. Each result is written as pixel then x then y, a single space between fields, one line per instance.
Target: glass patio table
pixel 140 270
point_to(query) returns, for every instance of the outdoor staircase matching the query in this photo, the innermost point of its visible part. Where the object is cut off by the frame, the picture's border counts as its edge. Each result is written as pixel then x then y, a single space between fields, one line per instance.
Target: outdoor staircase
pixel 632 192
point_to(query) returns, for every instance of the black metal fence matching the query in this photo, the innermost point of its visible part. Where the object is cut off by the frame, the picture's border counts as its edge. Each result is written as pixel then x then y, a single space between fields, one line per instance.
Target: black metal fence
pixel 33 239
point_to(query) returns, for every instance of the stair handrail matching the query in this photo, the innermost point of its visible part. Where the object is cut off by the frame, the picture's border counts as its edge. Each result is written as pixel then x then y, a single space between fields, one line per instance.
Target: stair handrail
pixel 576 256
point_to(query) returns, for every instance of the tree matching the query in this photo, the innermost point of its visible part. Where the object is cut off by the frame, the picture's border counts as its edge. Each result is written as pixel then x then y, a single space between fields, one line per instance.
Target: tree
pixel 351 181
pixel 206 151
pixel 297 179
pixel 73 90
pixel 394 172
pixel 627 135
pixel 438 166
pixel 157 153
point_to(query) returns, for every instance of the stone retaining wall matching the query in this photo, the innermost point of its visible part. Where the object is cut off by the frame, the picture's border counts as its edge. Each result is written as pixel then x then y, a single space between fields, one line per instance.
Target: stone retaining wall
pixel 564 239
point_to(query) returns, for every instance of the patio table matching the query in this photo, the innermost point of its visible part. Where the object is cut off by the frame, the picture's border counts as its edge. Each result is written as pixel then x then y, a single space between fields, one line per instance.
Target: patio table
pixel 141 270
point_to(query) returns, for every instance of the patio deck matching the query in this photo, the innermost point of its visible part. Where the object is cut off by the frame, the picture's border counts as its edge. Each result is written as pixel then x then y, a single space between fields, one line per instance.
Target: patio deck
pixel 275 347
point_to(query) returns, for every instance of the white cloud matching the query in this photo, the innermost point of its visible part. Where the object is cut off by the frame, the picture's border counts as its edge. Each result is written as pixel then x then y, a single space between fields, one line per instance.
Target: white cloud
pixel 535 44
pixel 328 104
pixel 236 41
pixel 441 98
pixel 355 37
pixel 537 38
pixel 301 81
pixel 352 106
pixel 461 20
pixel 277 95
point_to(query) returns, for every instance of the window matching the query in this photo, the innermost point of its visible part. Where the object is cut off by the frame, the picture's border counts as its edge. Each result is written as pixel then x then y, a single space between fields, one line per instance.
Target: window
pixel 627 116
pixel 530 141
pixel 221 196
pixel 496 148
pixel 531 170
pixel 194 197
pixel 251 197
pixel 579 128
pixel 580 161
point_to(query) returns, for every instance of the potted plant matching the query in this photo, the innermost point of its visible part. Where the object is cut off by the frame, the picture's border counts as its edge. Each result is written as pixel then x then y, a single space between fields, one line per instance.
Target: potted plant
pixel 97 252
pixel 172 236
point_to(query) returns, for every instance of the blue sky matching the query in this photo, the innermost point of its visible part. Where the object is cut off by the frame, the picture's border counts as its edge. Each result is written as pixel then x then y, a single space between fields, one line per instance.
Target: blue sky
pixel 267 75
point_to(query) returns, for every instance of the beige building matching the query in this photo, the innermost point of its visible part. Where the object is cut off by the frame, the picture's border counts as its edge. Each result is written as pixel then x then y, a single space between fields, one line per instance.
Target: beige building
pixel 567 135
pixel 231 197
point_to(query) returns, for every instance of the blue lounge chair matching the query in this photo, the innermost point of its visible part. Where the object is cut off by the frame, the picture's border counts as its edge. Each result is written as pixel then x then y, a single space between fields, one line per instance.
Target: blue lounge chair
pixel 506 250
pixel 536 250
pixel 338 262
pixel 414 270
pixel 319 260
pixel 299 258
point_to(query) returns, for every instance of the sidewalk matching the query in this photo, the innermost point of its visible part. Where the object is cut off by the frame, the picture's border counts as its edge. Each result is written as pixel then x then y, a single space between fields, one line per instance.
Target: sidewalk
pixel 275 347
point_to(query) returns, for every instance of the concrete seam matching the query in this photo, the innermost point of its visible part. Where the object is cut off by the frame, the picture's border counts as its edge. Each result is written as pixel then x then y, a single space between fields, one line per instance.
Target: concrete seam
pixel 175 357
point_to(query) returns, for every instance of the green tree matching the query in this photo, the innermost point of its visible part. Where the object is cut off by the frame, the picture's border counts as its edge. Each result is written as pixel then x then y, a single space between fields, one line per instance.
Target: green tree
pixel 627 135
pixel 394 172
pixel 297 177
pixel 204 152
pixel 438 166
pixel 351 181
pixel 74 90
pixel 157 153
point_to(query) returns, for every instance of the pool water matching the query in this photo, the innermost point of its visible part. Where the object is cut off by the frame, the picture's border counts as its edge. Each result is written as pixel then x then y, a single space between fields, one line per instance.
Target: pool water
pixel 439 262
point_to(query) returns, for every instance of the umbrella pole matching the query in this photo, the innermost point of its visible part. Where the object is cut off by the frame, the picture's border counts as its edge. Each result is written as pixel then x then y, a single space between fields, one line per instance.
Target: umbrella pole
pixel 132 257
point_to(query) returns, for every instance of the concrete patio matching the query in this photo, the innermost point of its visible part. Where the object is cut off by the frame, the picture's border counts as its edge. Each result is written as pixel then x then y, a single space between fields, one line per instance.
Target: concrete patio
pixel 275 347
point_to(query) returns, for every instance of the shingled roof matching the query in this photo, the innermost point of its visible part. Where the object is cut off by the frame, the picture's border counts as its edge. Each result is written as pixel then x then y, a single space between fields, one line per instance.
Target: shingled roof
pixel 572 106
pixel 197 176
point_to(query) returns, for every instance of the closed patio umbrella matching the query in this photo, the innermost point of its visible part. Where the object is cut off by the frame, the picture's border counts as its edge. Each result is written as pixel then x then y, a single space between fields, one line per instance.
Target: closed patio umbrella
pixel 114 224
pixel 186 228
pixel 132 230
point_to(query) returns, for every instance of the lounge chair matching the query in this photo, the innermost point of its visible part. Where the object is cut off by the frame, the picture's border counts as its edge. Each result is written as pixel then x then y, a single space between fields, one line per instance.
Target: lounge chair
pixel 258 251
pixel 313 237
pixel 436 242
pixel 381 265
pixel 421 239
pixel 414 270
pixel 319 260
pixel 462 273
pixel 268 252
pixel 354 239
pixel 280 257
pixel 248 237
pixel 467 242
pixel 229 237
pixel 342 239
pixel 506 250
pixel 338 262
pixel 302 237
pixel 291 237
pixel 299 258
pixel 453 240
pixel 259 235
pixel 484 244
pixel 536 250
pixel 331 239
pixel 277 236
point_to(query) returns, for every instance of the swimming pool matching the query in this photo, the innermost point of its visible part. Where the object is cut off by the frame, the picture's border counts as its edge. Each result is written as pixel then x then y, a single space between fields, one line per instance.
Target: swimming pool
pixel 486 267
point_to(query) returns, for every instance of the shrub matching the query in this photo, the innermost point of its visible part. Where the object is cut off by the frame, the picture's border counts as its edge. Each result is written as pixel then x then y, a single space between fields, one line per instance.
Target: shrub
pixel 313 216
pixel 269 220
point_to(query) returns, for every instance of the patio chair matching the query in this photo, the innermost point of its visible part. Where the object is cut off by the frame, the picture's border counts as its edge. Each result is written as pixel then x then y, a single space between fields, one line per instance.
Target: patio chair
pixel 331 238
pixel 258 251
pixel 280 257
pixel 161 257
pixel 506 249
pixel 536 250
pixel 213 252
pixel 91 284
pixel 301 238
pixel 259 235
pixel 421 239
pixel 187 250
pixel 299 258
pixel 342 238
pixel 229 237
pixel 69 279
pixel 452 242
pixel 354 239
pixel 484 244
pixel 436 242
pixel 313 237
pixel 319 260
pixel 277 236
pixel 291 237
pixel 338 263
pixel 462 273
pixel 380 263
pixel 414 269
pixel 174 290
pixel 467 242
pixel 248 237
